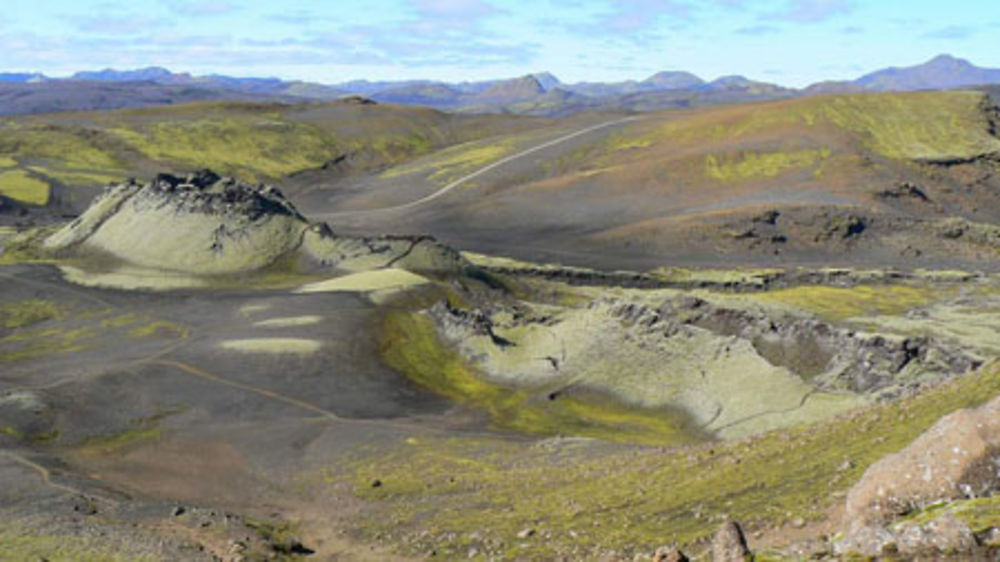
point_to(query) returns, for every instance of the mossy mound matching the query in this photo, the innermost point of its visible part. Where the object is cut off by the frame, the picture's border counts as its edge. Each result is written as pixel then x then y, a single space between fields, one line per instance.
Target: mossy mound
pixel 199 224
pixel 206 225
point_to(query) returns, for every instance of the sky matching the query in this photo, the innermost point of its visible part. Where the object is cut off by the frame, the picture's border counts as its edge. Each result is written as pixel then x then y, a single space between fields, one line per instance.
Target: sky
pixel 790 42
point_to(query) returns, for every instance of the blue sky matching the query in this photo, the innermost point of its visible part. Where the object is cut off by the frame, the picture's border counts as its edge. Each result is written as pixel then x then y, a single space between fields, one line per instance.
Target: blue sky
pixel 792 42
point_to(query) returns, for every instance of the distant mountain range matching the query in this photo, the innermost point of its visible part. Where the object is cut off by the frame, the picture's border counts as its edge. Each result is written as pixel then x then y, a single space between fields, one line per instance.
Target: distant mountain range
pixel 540 94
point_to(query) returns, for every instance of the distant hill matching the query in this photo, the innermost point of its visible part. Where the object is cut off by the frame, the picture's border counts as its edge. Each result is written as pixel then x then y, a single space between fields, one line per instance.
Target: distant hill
pixel 20 77
pixel 672 81
pixel 431 95
pixel 547 80
pixel 541 93
pixel 821 179
pixel 60 96
pixel 150 74
pixel 525 87
pixel 941 72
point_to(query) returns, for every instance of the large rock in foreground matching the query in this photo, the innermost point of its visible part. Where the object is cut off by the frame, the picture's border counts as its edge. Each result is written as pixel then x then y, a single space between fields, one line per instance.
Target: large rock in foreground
pixel 958 458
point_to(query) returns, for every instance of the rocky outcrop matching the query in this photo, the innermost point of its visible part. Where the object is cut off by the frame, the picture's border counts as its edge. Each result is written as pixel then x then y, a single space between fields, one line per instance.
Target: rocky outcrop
pixel 729 544
pixel 711 361
pixel 201 224
pixel 669 554
pixel 958 458
pixel 347 253
pixel 831 357
pixel 204 224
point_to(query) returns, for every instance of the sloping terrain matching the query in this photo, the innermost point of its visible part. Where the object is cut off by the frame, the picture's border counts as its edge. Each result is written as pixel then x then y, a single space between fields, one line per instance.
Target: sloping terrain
pixel 532 94
pixel 867 178
pixel 51 97
pixel 64 159
pixel 297 391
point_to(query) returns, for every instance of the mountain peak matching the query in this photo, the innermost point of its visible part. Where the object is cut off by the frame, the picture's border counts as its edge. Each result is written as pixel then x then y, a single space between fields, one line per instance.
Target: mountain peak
pixel 152 73
pixel 673 80
pixel 730 81
pixel 516 88
pixel 547 80
pixel 941 72
pixel 946 58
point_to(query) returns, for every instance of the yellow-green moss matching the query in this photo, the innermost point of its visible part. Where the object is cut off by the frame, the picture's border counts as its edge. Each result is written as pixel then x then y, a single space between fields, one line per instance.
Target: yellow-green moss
pixel 20 543
pixel 637 498
pixel 69 147
pixel 20 186
pixel 840 303
pixel 409 343
pixel 115 443
pixel 253 150
pixel 744 276
pixel 744 166
pixel 280 536
pixel 26 247
pixel 159 327
pixel 980 514
pixel 917 125
pixel 27 312
pixel 78 178
pixel 12 432
pixel 33 343
pixel 616 142
pixel 932 125
pixel 454 162
pixel 143 429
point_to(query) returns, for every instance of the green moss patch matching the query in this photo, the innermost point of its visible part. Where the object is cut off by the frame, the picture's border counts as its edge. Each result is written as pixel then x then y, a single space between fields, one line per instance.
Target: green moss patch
pixel 980 514
pixel 25 247
pixel 744 166
pixel 120 441
pixel 20 186
pixel 31 344
pixel 19 543
pixel 583 499
pixel 251 149
pixel 72 330
pixel 452 163
pixel 409 343
pixel 11 432
pixel 840 303
pixel 27 312
pixel 931 125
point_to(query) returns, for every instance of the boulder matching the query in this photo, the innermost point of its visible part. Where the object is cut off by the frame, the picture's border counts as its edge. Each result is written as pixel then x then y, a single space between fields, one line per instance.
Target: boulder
pixel 956 458
pixel 729 544
pixel 944 535
pixel 669 554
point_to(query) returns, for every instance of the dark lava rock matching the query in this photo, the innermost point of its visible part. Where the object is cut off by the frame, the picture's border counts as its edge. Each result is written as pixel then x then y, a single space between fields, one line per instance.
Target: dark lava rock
pixel 904 190
pixel 357 100
pixel 207 192
pixel 669 554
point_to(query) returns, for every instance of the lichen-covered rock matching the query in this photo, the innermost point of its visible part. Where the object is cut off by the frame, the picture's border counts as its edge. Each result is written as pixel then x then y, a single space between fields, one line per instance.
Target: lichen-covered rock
pixel 944 535
pixel 669 554
pixel 729 544
pixel 957 458
pixel 201 224
pixel 414 253
pixel 204 224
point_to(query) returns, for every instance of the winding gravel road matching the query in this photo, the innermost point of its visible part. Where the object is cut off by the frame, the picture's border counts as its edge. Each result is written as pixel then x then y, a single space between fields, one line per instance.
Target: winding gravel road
pixel 489 167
